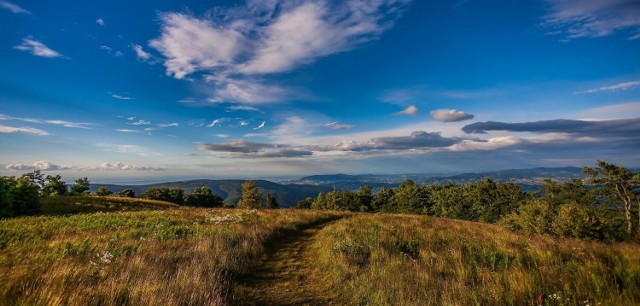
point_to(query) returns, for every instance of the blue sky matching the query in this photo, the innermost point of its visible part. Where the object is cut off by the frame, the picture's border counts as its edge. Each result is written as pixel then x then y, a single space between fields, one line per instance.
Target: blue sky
pixel 178 89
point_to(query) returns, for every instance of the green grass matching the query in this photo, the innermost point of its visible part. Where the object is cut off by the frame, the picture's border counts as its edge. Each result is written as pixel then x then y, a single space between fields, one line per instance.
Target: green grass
pixel 410 260
pixel 62 205
pixel 182 256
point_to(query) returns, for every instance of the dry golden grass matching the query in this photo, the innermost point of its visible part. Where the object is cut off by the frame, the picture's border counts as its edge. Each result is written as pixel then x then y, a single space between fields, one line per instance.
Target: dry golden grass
pixel 178 256
pixel 415 260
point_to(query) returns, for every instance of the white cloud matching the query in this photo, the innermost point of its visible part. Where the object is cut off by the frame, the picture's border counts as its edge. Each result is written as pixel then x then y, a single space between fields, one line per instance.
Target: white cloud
pixel 128 131
pixel 260 126
pixel 141 122
pixel 615 111
pixel 163 125
pixel 140 53
pixel 264 38
pixel 409 111
pixel 615 87
pixel 450 115
pixel 217 122
pixel 37 48
pixel 64 123
pixel 26 130
pixel 119 97
pixel 243 108
pixel 222 135
pixel 101 22
pixel 190 44
pixel 593 18
pixel 126 167
pixel 315 29
pixel 337 126
pixel 110 51
pixel 244 123
pixel 39 165
pixel 127 149
pixel 14 8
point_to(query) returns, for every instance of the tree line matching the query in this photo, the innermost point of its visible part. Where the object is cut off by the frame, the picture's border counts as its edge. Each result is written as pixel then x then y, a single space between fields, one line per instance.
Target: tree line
pixel 599 207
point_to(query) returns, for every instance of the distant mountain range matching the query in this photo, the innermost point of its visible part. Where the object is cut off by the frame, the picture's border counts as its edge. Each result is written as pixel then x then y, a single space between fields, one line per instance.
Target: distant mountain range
pixel 289 192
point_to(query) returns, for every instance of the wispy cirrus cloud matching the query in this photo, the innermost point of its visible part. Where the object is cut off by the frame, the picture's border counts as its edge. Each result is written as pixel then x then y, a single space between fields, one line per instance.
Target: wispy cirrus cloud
pixel 593 18
pixel 615 87
pixel 14 8
pixel 127 148
pixel 238 49
pixel 37 48
pixel 23 129
pixel 141 54
pixel 120 97
pixel 65 123
pixel 338 126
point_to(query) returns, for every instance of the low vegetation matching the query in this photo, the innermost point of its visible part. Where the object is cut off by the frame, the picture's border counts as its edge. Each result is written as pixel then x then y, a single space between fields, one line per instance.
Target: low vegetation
pixel 61 205
pixel 182 256
pixel 386 259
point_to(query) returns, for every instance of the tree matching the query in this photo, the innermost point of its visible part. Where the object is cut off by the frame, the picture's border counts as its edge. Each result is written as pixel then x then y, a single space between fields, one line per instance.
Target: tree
pixel 383 201
pixel 534 217
pixel 251 198
pixel 103 192
pixel 272 202
pixel 304 204
pixel 81 186
pixel 6 198
pixel 320 202
pixel 54 186
pixel 36 178
pixel 25 198
pixel 127 193
pixel 173 195
pixel 364 198
pixel 616 184
pixel 203 197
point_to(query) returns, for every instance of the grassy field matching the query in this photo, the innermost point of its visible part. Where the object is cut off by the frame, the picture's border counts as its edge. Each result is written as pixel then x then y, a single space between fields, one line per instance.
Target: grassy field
pixel 181 256
pixel 414 260
pixel 149 252
pixel 62 205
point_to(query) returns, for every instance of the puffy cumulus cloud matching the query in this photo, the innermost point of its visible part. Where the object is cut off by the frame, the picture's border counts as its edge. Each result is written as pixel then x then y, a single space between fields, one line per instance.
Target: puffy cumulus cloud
pixel 14 8
pixel 409 111
pixel 26 130
pixel 622 128
pixel 37 48
pixel 246 149
pixel 593 18
pixel 120 166
pixel 235 47
pixel 39 165
pixel 417 140
pixel 450 115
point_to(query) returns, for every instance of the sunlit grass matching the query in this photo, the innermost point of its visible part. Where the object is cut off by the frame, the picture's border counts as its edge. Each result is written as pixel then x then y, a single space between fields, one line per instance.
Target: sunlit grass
pixel 416 260
pixel 178 256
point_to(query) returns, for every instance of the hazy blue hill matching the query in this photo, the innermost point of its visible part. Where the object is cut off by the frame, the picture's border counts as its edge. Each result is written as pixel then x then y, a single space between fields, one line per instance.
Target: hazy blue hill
pixel 231 190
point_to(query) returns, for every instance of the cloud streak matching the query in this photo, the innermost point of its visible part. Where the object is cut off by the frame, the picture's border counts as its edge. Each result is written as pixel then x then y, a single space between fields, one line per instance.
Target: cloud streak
pixel 409 111
pixel 37 48
pixel 593 18
pixel 615 87
pixel 14 8
pixel 236 50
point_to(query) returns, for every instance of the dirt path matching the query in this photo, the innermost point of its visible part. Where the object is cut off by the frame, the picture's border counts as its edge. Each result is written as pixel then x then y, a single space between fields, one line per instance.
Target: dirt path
pixel 287 276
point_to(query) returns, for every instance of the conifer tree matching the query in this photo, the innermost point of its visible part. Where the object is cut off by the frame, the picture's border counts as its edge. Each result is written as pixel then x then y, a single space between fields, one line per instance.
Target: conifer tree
pixel 251 198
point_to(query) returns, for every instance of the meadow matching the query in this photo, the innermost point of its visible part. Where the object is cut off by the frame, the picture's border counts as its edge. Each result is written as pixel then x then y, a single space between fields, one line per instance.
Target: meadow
pixel 382 259
pixel 115 251
pixel 181 256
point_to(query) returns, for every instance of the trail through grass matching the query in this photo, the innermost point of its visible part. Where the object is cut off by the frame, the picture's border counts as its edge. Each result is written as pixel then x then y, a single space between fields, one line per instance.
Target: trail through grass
pixel 287 275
